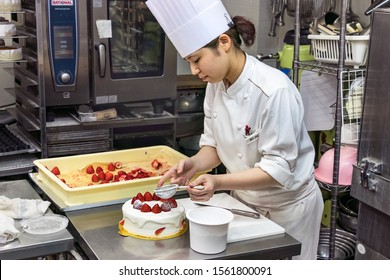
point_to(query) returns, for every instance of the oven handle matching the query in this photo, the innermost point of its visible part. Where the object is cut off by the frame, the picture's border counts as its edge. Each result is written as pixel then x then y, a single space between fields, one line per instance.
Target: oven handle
pixel 101 49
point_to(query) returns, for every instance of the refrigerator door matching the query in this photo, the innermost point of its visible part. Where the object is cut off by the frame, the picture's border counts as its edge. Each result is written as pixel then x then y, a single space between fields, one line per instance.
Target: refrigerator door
pixel 371 175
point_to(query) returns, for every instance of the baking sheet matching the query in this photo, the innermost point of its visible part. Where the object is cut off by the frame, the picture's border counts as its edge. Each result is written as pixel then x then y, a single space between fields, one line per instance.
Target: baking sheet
pixel 241 228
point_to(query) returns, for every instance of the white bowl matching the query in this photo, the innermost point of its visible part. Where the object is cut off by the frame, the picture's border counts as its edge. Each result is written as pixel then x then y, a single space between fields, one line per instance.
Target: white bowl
pixel 209 229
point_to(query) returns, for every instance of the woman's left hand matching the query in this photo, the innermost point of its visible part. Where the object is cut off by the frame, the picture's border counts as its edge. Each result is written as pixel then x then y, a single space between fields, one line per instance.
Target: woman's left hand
pixel 209 183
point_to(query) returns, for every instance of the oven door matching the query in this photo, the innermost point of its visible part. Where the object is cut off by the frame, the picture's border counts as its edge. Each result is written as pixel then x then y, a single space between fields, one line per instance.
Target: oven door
pixel 132 58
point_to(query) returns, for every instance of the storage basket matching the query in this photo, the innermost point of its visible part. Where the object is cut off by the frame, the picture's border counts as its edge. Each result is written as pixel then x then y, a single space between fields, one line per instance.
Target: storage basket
pixel 325 48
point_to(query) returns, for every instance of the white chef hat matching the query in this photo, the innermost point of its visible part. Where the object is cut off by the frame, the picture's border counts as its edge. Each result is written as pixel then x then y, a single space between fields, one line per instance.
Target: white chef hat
pixel 191 24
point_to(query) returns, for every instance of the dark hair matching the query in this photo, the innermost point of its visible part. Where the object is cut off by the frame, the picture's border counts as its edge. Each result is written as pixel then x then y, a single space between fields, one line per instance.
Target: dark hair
pixel 243 30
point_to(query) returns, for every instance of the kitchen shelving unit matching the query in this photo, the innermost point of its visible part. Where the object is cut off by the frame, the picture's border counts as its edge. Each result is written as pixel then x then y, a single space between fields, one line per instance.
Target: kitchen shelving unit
pixel 17 158
pixel 338 71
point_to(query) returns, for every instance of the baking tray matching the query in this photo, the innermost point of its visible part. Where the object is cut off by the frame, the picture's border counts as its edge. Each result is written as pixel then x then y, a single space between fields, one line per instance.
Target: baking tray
pixel 100 194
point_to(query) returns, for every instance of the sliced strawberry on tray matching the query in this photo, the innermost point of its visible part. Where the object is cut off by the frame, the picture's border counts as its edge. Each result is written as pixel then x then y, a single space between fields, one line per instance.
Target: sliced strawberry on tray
pixel 56 171
pixel 156 164
pixel 90 170
pixel 111 167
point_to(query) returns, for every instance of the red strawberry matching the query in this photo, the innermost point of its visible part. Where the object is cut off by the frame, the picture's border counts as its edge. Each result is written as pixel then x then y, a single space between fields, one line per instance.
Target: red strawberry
pixel 155 197
pixel 118 164
pixel 111 166
pixel 156 164
pixel 172 202
pixel 121 173
pixel 90 169
pixel 95 178
pixel 158 231
pixel 140 197
pixel 137 204
pixel 148 196
pixel 146 208
pixel 109 176
pixel 101 176
pixel 99 169
pixel 133 199
pixel 135 170
pixel 166 207
pixel 56 171
pixel 156 209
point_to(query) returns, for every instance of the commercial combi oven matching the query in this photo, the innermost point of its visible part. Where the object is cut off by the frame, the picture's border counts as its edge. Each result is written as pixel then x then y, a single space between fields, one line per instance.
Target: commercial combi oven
pixel 99 55
pixel 104 51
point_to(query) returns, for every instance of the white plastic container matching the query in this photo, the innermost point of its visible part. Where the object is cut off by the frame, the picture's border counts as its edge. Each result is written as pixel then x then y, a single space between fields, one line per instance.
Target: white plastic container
pixel 208 229
pixel 325 49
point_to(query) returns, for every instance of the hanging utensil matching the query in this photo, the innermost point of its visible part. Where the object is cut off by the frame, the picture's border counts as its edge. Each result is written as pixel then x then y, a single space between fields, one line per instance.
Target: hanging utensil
pixel 351 16
pixel 168 191
pixel 280 20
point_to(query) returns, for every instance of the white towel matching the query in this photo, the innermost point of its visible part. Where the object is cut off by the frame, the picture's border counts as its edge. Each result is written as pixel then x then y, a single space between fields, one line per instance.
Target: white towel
pixel 18 208
pixel 8 232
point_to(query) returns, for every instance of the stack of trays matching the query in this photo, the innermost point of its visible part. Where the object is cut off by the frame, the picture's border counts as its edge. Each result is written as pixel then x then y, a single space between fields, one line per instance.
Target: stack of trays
pixel 9 143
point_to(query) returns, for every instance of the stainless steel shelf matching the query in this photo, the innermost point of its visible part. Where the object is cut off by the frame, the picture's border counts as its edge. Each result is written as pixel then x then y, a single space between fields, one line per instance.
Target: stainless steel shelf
pixel 318 67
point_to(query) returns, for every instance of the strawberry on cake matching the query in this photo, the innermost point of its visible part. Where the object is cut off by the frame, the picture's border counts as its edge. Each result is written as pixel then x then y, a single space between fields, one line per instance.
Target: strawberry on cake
pixel 146 216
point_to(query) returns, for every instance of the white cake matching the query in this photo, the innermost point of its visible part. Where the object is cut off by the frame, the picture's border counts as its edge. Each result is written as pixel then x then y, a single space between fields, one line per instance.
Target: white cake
pixel 151 225
pixel 10 5
pixel 10 53
pixel 7 29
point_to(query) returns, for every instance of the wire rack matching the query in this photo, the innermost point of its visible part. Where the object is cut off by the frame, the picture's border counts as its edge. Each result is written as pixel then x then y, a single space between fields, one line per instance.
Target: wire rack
pixel 352 102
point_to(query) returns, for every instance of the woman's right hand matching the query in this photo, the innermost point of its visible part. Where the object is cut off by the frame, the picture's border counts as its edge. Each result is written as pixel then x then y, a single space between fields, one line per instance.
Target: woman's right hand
pixel 180 174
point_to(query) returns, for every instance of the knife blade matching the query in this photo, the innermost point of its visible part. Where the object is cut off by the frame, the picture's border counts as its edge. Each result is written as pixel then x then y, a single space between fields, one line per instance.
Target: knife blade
pixel 245 213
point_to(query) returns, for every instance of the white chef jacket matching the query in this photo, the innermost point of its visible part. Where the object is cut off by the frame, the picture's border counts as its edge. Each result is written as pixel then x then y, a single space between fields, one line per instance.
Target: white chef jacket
pixel 258 122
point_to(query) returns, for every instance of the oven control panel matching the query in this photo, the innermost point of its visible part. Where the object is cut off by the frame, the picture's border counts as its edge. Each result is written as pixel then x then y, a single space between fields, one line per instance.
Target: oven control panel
pixel 63 43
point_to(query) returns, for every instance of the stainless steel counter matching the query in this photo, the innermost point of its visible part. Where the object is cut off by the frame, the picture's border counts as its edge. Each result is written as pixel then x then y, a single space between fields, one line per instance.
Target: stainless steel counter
pixel 27 245
pixel 96 231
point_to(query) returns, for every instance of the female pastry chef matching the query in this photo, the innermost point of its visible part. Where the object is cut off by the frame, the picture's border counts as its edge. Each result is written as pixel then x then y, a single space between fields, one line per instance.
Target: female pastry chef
pixel 253 122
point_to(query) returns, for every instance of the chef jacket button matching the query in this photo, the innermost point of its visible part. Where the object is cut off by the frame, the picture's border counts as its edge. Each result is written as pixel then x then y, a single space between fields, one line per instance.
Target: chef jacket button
pixel 239 155
pixel 215 115
pixel 240 126
pixel 246 96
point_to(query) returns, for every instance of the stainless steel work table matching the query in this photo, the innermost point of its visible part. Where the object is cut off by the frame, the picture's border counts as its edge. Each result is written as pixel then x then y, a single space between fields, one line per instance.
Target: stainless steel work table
pixel 28 246
pixel 96 231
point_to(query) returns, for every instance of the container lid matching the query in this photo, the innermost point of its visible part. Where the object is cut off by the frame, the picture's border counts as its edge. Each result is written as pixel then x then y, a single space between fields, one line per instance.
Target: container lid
pixel 45 224
pixel 289 37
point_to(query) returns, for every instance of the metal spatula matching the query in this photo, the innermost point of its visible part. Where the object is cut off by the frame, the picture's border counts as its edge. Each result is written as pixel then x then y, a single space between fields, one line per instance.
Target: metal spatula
pixel 246 213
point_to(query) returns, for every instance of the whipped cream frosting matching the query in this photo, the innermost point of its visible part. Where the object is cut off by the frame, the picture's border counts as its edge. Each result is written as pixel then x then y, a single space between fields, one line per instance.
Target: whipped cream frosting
pixel 11 53
pixel 145 225
pixel 10 5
